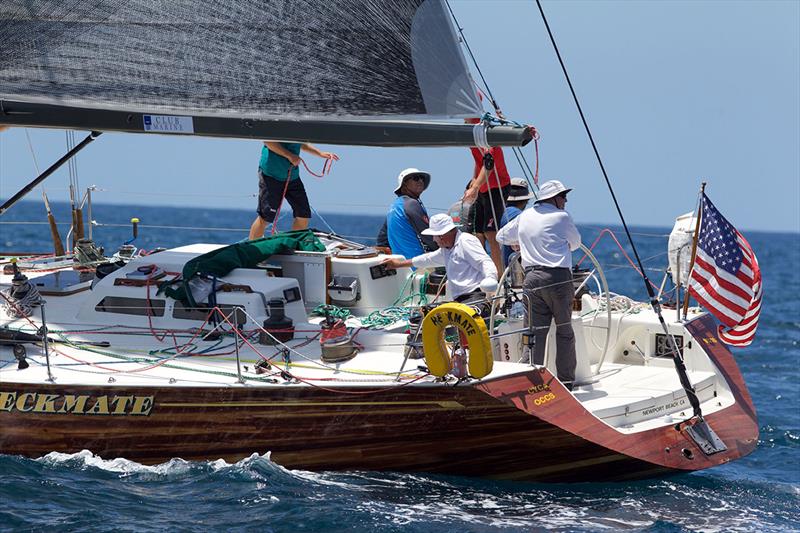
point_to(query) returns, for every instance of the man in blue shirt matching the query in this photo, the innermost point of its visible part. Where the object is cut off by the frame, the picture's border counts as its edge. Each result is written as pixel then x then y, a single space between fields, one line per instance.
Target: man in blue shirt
pixel 279 178
pixel 517 200
pixel 407 216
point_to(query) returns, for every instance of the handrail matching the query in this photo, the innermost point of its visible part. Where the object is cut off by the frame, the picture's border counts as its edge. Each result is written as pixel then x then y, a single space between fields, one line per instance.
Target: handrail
pixel 604 288
pixel 604 285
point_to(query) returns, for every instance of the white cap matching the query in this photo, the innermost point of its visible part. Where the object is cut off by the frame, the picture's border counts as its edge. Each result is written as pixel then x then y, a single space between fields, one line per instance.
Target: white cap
pixel 519 190
pixel 550 189
pixel 439 225
pixel 408 173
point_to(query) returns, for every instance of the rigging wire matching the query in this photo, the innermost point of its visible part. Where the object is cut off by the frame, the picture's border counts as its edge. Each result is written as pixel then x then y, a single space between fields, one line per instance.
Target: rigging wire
pixel 471 55
pixel 677 357
pixel 33 153
pixel 520 156
pixel 72 163
pixel 594 146
pixel 333 231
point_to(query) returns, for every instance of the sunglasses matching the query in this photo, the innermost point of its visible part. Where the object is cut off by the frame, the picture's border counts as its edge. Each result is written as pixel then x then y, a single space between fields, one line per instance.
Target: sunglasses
pixel 416 177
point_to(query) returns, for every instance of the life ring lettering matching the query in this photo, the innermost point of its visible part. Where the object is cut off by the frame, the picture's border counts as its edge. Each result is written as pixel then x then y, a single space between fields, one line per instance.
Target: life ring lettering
pixel 473 329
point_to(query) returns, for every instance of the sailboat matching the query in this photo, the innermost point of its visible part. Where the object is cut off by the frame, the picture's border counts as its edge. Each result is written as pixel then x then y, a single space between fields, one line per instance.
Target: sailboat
pixel 282 345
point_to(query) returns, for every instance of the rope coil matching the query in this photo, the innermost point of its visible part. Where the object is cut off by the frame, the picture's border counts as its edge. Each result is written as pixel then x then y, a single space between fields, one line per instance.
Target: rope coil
pixel 15 307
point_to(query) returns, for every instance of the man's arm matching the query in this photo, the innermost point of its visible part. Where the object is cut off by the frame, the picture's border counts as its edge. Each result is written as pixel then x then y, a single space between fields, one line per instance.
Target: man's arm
pixel 509 234
pixel 310 148
pixel 477 155
pixel 283 152
pixel 418 219
pixel 383 236
pixel 474 187
pixel 572 235
pixel 431 259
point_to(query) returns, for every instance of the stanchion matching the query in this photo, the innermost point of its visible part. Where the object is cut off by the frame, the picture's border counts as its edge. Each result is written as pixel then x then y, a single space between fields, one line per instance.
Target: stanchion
pixel 46 344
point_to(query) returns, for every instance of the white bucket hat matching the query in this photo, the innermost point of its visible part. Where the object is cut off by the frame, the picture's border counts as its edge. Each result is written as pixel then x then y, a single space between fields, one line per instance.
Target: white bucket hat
pixel 407 173
pixel 550 189
pixel 519 191
pixel 439 225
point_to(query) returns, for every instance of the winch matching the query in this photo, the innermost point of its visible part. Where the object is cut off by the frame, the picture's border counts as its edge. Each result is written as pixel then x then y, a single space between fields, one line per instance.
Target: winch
pixel 22 296
pixel 279 327
pixel 335 341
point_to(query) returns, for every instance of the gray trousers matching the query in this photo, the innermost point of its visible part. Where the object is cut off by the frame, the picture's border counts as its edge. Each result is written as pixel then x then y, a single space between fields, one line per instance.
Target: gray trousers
pixel 551 291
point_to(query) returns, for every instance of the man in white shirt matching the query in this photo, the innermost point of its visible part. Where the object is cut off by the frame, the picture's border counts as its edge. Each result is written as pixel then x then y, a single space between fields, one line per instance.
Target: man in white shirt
pixel 546 236
pixel 470 270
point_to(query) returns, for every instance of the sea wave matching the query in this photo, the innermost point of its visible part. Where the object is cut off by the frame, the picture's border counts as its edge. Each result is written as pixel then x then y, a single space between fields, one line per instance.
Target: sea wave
pixel 256 493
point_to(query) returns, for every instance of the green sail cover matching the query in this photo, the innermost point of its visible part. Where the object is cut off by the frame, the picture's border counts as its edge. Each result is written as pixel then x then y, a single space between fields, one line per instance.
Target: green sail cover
pixel 241 255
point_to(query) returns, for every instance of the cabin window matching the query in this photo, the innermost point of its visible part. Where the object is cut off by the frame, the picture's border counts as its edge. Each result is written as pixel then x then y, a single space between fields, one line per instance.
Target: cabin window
pixel 200 311
pixel 131 306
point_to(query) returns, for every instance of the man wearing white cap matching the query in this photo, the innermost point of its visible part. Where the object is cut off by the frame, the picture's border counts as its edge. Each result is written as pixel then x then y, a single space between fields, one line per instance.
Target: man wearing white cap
pixel 407 217
pixel 470 270
pixel 518 196
pixel 546 236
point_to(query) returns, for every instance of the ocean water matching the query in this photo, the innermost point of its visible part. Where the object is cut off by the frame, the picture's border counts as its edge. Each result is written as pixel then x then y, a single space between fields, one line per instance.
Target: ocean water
pixel 81 492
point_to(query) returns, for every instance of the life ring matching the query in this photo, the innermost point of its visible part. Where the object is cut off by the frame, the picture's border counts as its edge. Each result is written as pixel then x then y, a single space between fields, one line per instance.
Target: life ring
pixel 469 322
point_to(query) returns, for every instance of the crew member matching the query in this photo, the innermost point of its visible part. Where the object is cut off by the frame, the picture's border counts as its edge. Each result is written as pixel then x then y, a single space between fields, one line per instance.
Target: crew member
pixel 463 213
pixel 279 163
pixel 488 190
pixel 547 236
pixel 470 270
pixel 407 217
pixel 518 196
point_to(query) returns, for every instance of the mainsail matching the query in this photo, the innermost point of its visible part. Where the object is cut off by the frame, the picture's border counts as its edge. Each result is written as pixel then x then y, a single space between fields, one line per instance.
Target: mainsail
pixel 269 68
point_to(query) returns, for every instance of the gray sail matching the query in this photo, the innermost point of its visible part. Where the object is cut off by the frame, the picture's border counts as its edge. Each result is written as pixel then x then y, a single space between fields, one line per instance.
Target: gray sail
pixel 267 60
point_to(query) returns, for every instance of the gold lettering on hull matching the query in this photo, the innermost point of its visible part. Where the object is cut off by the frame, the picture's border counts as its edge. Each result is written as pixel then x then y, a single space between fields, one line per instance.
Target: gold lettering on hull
pixel 71 404
pixel 46 403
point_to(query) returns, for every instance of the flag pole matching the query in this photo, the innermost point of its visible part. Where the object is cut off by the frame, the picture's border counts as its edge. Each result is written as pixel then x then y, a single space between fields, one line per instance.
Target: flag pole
pixel 694 250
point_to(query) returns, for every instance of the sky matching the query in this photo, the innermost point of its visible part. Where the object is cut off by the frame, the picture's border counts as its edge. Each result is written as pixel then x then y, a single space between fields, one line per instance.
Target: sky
pixel 675 92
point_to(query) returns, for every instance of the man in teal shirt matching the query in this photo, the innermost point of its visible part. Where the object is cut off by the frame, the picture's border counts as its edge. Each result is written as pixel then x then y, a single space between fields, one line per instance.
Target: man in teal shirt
pixel 279 164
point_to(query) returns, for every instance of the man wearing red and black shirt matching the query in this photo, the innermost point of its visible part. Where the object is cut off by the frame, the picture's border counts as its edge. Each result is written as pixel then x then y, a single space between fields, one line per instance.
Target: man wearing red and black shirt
pixel 491 191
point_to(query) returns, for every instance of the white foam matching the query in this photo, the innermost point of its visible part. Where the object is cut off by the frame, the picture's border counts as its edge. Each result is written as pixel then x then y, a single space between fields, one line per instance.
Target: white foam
pixel 119 464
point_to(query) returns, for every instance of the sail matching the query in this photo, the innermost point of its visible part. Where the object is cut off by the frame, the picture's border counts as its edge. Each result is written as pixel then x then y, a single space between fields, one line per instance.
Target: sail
pixel 267 60
pixel 260 59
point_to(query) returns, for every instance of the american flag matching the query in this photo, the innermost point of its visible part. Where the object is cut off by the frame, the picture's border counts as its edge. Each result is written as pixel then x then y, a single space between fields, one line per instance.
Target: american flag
pixel 725 278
